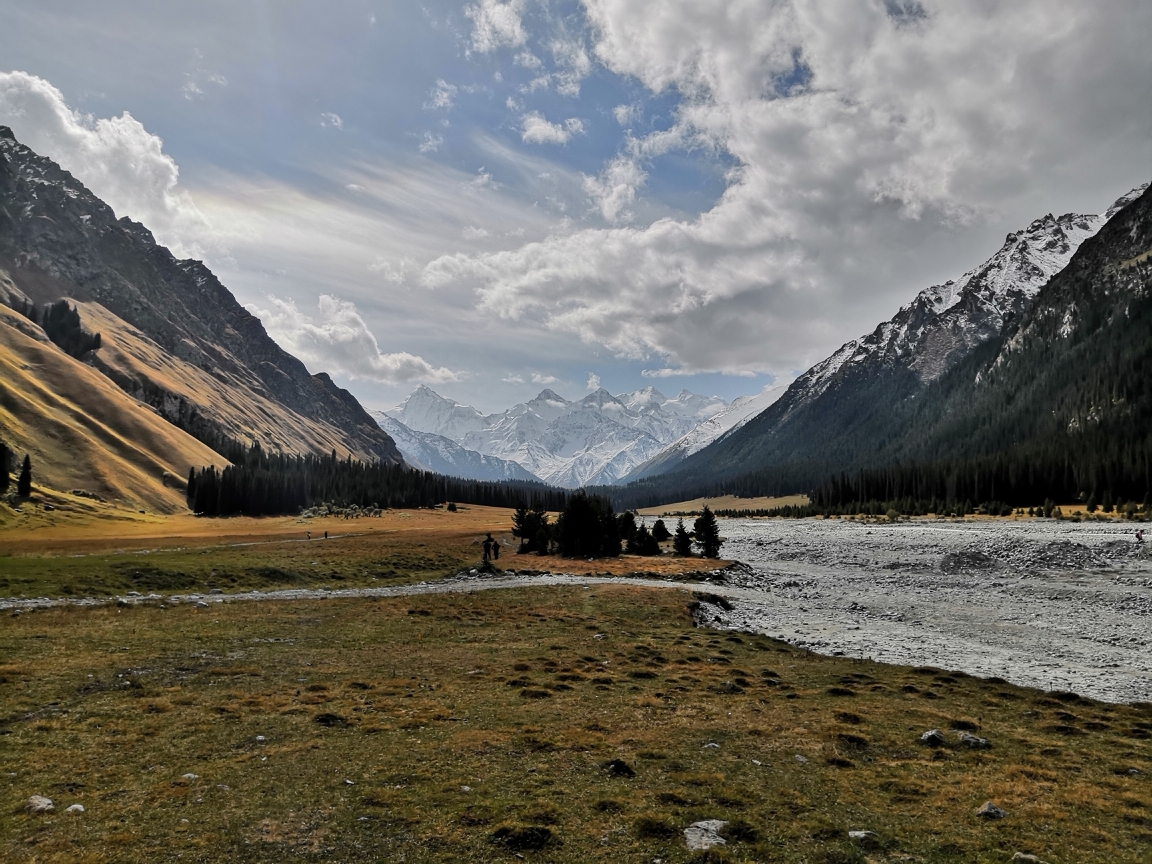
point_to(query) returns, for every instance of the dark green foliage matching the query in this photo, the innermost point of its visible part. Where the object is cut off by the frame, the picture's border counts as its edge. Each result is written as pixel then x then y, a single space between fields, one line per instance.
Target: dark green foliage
pixel 263 484
pixel 5 467
pixel 660 531
pixel 24 483
pixel 532 527
pixel 682 540
pixel 642 543
pixel 707 533
pixel 451 507
pixel 626 528
pixel 61 323
pixel 587 528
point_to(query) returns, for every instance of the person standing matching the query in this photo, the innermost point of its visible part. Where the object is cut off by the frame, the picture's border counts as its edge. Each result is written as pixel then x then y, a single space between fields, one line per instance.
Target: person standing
pixel 487 549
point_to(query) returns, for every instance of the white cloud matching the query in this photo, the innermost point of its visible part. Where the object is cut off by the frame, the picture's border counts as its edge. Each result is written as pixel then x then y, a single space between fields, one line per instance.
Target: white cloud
pixel 593 381
pixel 528 60
pixel 625 114
pixel 544 380
pixel 859 133
pixel 431 142
pixel 496 25
pixel 395 272
pixel 512 379
pixel 337 340
pixel 471 232
pixel 443 95
pixel 537 130
pixel 330 120
pixel 575 65
pixel 120 161
pixel 614 190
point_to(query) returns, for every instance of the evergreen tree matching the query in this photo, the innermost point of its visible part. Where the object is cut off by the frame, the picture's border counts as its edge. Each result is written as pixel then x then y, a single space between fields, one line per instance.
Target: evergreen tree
pixel 5 461
pixel 24 483
pixel 190 492
pixel 587 528
pixel 682 540
pixel 643 543
pixel 707 533
pixel 532 527
pixel 660 531
pixel 1092 505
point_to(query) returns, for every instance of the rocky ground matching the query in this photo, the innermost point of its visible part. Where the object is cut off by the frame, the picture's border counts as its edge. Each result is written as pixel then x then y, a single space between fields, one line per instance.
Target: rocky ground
pixel 1045 603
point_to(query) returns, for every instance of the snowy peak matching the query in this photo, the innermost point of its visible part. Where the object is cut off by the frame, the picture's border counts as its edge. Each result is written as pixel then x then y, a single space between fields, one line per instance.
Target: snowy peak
pixel 425 410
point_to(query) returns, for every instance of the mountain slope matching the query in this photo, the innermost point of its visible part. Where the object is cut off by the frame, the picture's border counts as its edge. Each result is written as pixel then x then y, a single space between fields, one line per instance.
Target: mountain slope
pixel 83 432
pixel 841 413
pixel 595 440
pixel 430 452
pixel 58 240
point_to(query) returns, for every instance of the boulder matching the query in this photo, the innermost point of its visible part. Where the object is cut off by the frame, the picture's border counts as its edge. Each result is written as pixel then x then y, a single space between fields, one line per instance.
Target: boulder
pixel 704 835
pixel 972 742
pixel 39 804
pixel 933 738
pixel 990 811
pixel 74 808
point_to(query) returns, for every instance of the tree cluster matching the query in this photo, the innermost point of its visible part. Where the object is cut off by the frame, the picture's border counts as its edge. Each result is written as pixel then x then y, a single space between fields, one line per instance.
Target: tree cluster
pixel 270 484
pixel 61 323
pixel 5 463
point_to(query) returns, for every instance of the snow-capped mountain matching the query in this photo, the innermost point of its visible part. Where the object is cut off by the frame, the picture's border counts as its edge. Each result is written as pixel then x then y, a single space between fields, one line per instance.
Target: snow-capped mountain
pixel 430 452
pixel 840 410
pixel 592 441
pixel 740 411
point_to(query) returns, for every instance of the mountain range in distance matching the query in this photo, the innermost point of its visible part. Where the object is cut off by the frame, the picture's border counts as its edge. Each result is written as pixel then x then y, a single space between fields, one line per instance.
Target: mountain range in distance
pixel 601 439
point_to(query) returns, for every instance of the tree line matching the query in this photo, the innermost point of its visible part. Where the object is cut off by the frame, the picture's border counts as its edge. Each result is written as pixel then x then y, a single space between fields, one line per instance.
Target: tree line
pixel 259 483
pixel 23 481
pixel 588 527
pixel 60 322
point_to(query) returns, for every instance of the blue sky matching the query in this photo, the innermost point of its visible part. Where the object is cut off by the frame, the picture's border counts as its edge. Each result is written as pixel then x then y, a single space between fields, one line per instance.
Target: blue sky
pixel 491 197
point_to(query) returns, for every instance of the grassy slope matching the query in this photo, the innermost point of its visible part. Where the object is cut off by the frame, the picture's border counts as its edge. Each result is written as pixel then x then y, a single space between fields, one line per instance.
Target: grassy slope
pixel 82 431
pixel 240 406
pixel 514 695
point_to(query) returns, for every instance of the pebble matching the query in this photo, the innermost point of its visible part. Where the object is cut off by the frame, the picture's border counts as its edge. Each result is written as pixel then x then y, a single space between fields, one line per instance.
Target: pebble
pixel 990 811
pixel 260 739
pixel 74 808
pixel 465 788
pixel 800 758
pixel 200 604
pixel 189 777
pixel 39 804
pixel 704 835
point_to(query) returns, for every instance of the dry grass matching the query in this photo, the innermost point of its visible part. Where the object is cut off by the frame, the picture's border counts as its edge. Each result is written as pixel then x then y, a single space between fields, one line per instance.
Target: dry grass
pixel 725 502
pixel 526 697
pixel 85 551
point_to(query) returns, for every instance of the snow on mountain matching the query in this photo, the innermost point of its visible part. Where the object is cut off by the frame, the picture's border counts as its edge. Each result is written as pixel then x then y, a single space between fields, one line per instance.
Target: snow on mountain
pixel 592 441
pixel 735 415
pixel 944 322
pixel 430 452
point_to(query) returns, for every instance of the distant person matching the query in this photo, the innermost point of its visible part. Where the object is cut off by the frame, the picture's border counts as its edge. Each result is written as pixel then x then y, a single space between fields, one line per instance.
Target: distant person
pixel 325 535
pixel 1140 535
pixel 487 549
pixel 495 550
pixel 309 533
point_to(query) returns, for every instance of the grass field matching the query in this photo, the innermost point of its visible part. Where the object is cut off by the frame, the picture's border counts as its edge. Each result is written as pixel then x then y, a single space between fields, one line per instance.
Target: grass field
pixel 484 727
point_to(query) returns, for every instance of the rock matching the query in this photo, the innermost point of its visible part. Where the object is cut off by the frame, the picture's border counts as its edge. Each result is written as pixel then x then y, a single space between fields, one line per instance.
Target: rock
pixel 465 788
pixel 868 839
pixel 711 745
pixel 704 835
pixel 800 758
pixel 933 738
pixel 991 811
pixel 74 808
pixel 619 768
pixel 216 591
pixel 200 604
pixel 1024 856
pixel 39 804
pixel 189 777
pixel 972 742
pixel 260 739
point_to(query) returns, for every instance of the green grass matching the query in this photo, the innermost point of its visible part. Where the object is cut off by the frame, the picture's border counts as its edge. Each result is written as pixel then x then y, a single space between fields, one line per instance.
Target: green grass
pixel 511 694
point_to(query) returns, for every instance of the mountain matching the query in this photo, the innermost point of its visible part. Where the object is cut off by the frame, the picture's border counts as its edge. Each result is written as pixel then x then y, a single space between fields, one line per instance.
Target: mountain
pixel 83 432
pixel 441 455
pixel 184 345
pixel 842 411
pixel 740 411
pixel 595 440
pixel 1057 406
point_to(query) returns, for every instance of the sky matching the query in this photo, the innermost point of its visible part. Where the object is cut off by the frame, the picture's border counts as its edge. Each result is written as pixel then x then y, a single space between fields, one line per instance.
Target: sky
pixel 496 196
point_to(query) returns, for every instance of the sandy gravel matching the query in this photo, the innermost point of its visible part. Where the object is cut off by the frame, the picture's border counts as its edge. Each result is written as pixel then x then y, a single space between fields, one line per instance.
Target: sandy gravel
pixel 1056 605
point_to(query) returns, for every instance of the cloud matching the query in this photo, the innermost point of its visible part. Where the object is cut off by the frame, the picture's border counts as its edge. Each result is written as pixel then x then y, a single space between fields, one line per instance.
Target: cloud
pixel 496 25
pixel 337 340
pixel 431 142
pixel 513 379
pixel 120 161
pixel 575 65
pixel 471 232
pixel 540 378
pixel 625 114
pixel 593 381
pixel 615 188
pixel 442 95
pixel 858 135
pixel 330 120
pixel 537 130
pixel 528 60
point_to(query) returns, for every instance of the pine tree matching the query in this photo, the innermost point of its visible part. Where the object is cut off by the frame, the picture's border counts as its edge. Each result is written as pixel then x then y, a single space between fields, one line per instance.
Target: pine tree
pixel 5 459
pixel 660 531
pixel 24 484
pixel 190 492
pixel 708 534
pixel 682 540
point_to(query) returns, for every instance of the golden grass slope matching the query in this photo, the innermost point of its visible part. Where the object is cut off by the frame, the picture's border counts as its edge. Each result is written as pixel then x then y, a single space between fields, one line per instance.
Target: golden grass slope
pixel 84 432
pixel 241 406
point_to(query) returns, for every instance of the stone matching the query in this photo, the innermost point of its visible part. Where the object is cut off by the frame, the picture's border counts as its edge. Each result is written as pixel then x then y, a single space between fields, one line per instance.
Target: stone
pixel 74 808
pixel 704 835
pixel 200 604
pixel 990 811
pixel 933 738
pixel 972 742
pixel 260 739
pixel 862 835
pixel 711 745
pixel 39 804
pixel 1024 856
pixel 465 788
pixel 216 591
pixel 189 777
pixel 619 768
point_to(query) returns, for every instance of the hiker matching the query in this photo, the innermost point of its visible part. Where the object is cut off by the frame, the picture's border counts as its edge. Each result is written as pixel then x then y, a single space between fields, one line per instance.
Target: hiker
pixel 309 533
pixel 487 549
pixel 1140 535
pixel 325 535
pixel 495 550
